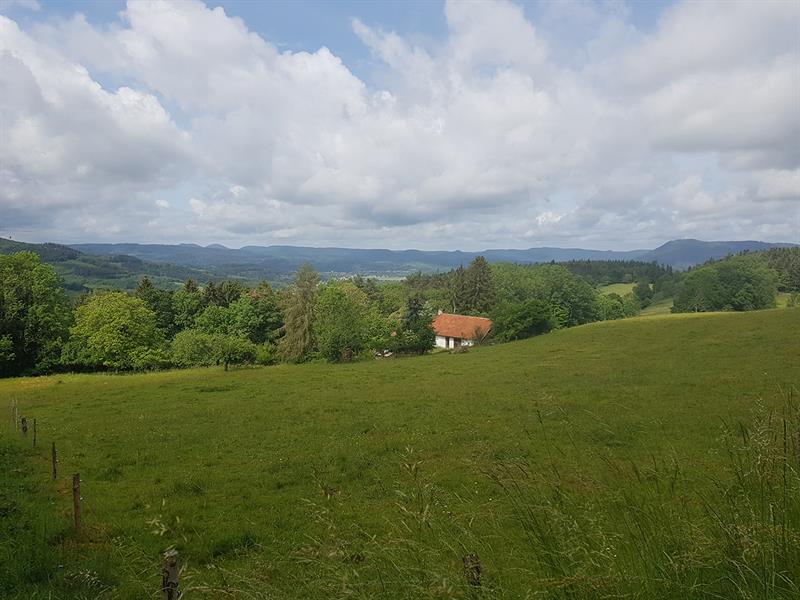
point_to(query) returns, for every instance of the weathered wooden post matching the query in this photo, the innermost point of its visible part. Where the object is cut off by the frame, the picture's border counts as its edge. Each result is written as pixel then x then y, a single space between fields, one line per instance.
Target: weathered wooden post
pixel 472 570
pixel 34 432
pixel 55 462
pixel 76 500
pixel 169 576
pixel 24 426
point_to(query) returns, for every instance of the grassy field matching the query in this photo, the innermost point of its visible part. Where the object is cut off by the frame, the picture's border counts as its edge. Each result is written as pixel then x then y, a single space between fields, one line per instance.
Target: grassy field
pixel 643 458
pixel 617 288
pixel 661 307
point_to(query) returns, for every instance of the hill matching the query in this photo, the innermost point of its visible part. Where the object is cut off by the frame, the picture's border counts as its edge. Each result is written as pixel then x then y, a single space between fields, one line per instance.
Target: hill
pixel 287 259
pixel 627 458
pixel 83 272
pixel 682 254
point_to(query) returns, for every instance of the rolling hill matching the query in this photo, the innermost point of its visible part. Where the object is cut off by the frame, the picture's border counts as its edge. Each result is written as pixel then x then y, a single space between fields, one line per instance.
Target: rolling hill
pixel 286 259
pixel 625 458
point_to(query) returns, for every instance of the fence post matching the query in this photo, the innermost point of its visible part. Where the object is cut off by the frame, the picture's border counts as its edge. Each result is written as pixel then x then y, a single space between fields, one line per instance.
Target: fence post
pixel 34 432
pixel 169 576
pixel 76 500
pixel 55 462
pixel 472 570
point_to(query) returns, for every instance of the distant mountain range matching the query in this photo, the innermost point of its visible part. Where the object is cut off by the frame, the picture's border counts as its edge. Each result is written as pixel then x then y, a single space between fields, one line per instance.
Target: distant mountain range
pixel 120 266
pixel 679 254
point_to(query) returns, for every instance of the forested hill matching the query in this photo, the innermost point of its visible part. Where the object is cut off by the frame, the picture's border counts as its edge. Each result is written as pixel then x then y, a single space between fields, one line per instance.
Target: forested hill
pixel 679 254
pixel 120 266
pixel 83 272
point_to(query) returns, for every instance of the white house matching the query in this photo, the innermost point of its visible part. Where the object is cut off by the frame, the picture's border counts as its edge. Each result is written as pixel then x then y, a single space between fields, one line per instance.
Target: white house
pixel 453 331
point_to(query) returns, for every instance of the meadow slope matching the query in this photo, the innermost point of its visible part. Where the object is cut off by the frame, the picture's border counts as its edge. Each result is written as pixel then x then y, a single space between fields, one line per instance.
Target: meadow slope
pixel 593 462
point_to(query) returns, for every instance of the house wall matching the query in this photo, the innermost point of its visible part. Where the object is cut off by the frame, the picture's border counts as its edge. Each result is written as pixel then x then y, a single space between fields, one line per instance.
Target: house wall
pixel 441 342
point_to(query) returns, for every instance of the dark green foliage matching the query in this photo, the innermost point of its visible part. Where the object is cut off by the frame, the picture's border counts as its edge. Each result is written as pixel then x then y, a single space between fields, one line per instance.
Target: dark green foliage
pixel 786 262
pixel 414 336
pixel 572 300
pixel 161 302
pixel 34 315
pixel 738 283
pixel 605 272
pixel 457 290
pixel 298 339
pixel 515 321
pixel 81 272
pixel 479 294
pixel 643 292
pixel 224 293
pixel 187 303
pixel 267 318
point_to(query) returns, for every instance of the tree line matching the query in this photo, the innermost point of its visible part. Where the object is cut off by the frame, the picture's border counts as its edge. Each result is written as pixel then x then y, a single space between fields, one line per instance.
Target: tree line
pixel 228 323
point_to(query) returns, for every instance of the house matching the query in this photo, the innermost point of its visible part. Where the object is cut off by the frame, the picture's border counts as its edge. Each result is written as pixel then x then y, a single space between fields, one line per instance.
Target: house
pixel 453 331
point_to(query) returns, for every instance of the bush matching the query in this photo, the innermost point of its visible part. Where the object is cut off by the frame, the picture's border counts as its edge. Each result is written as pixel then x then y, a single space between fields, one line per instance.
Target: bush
pixel 193 348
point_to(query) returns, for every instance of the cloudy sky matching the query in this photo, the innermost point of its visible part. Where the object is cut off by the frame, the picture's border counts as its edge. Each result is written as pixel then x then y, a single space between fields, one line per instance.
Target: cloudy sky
pixel 455 125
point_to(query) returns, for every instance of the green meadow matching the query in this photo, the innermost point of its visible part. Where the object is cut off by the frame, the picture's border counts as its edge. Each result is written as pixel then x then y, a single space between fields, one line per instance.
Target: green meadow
pixel 645 458
pixel 617 288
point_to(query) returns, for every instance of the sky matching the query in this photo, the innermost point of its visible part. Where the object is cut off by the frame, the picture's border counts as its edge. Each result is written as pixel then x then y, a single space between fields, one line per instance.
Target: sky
pixel 433 125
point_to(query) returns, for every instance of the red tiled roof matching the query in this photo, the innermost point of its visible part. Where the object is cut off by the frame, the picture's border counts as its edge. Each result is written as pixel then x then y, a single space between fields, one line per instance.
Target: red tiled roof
pixel 461 326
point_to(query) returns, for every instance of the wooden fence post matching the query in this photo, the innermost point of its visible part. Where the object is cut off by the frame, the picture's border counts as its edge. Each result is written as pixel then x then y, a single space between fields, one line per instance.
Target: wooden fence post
pixel 472 570
pixel 169 576
pixel 55 462
pixel 76 500
pixel 24 425
pixel 34 432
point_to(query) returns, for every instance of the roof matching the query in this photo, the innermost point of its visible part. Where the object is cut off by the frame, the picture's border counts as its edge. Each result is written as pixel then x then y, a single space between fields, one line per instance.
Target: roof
pixel 461 326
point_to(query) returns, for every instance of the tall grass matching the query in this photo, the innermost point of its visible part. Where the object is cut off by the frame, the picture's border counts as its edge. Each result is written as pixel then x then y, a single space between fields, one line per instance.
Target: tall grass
pixel 607 527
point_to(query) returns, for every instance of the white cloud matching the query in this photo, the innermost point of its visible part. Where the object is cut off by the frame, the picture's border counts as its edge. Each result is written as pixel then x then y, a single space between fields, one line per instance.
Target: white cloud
pixel 498 135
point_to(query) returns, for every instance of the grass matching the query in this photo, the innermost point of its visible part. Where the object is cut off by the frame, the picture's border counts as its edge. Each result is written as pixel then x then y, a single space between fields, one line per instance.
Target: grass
pixel 617 288
pixel 661 307
pixel 649 457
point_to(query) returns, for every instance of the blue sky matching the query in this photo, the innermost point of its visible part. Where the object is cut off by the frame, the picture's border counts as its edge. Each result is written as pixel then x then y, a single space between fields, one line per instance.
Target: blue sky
pixel 400 124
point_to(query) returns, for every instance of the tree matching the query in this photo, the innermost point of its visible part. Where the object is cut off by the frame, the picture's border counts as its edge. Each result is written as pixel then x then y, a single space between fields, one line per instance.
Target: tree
pixel 224 293
pixel 340 321
pixel 193 348
pixel 415 335
pixel 737 283
pixel 515 321
pixel 112 330
pixel 643 292
pixel 187 303
pixel 232 350
pixel 298 338
pixel 480 294
pixel 161 303
pixel 610 307
pixel 34 315
pixel 457 288
pixel 267 318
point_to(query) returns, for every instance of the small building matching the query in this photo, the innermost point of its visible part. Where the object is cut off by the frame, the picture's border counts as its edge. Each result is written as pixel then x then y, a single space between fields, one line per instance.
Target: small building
pixel 453 331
